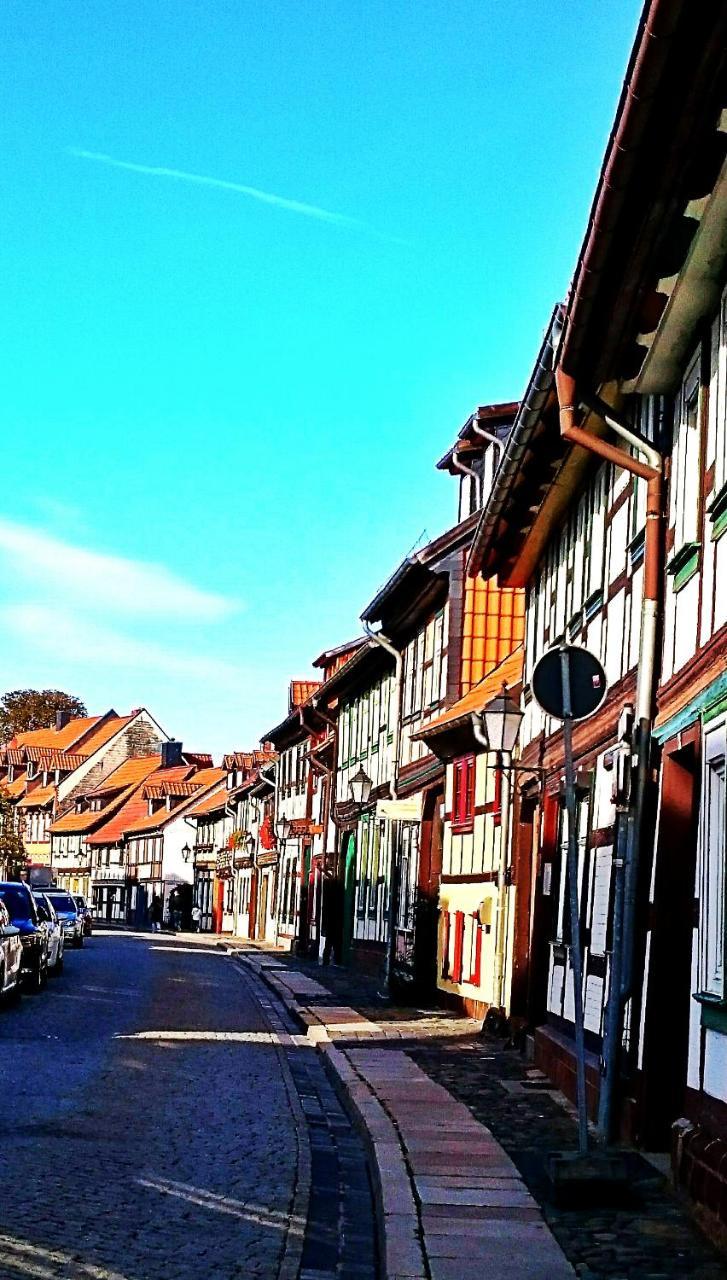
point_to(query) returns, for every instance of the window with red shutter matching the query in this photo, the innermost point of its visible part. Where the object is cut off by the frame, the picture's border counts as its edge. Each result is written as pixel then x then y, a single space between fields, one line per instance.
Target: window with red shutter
pixel 463 802
pixel 445 944
pixel 458 946
pixel 476 958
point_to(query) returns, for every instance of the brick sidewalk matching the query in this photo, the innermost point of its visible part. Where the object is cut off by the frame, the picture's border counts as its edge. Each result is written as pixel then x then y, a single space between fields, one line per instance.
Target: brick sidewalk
pixel 461 1128
pixel 448 1193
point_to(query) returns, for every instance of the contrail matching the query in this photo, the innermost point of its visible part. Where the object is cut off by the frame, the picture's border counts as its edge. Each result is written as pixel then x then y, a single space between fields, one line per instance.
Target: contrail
pixel 202 180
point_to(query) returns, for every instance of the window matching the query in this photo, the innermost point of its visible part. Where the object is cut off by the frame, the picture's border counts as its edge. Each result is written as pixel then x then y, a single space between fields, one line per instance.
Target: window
pixel 713 853
pixel 719 401
pixel 463 799
pixel 363 882
pixel 375 865
pixel 685 461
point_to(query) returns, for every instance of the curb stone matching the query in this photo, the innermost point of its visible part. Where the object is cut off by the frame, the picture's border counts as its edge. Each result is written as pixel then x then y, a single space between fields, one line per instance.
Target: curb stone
pixel 398 1223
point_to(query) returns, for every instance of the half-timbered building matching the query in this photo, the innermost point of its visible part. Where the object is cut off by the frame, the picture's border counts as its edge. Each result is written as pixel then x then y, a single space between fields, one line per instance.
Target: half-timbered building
pixel 359 697
pixel 478 884
pixel 608 508
pixel 44 770
pixel 447 633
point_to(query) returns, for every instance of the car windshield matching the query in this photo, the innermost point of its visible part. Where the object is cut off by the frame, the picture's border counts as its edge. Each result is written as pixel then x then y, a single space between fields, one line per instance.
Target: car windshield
pixel 18 902
pixel 62 901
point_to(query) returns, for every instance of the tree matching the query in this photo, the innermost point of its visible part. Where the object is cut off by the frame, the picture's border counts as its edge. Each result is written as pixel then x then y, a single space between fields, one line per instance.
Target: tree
pixel 23 709
pixel 12 853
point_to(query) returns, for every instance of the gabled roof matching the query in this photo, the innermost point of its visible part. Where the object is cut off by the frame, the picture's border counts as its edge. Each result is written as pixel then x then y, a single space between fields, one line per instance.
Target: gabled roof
pixel 155 821
pixel 215 799
pixel 247 759
pixel 494 418
pixel 14 788
pixel 115 789
pixel 103 733
pixel 38 797
pixel 329 655
pixel 132 771
pixel 59 738
pixel 300 691
pixel 665 150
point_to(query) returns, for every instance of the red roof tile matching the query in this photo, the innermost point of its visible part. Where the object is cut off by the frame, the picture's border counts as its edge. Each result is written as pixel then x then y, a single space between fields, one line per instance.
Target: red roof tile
pixel 301 690
pixel 39 797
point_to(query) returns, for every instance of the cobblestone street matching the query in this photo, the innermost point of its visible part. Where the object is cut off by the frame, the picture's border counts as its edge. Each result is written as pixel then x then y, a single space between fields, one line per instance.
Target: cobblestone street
pixel 653 1237
pixel 151 1128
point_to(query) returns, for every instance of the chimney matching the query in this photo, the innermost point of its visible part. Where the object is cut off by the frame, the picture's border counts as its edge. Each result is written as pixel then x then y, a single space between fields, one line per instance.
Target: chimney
pixel 171 754
pixel 62 718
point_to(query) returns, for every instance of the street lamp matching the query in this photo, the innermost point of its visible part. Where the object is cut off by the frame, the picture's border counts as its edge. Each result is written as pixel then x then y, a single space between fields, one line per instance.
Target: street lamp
pixel 360 786
pixel 496 728
pixel 500 722
pixel 283 828
pixel 187 853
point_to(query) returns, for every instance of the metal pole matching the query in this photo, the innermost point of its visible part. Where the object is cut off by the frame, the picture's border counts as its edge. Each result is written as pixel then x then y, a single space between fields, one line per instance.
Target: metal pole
pixel 612 1026
pixel 575 929
pixel 503 904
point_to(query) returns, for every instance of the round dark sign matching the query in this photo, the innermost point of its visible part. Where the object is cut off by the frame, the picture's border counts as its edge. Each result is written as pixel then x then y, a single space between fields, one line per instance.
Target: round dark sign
pixel 586 677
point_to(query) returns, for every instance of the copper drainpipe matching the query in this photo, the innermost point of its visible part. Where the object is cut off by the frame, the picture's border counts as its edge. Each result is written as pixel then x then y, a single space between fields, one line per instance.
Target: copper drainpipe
pixel 627 850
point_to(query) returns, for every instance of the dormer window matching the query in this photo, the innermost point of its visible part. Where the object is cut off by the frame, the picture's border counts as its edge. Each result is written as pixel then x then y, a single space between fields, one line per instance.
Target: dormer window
pixel 80 804
pixel 230 780
pixel 96 804
pixel 11 773
pixel 45 777
pixel 31 769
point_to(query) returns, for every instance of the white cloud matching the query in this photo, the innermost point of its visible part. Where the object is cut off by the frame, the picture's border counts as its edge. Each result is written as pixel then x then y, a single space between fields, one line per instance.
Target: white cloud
pixel 181 175
pixel 79 641
pixel 103 583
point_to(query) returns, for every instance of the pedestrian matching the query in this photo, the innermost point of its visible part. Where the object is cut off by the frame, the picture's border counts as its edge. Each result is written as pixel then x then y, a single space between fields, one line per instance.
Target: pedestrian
pixel 196 918
pixel 156 912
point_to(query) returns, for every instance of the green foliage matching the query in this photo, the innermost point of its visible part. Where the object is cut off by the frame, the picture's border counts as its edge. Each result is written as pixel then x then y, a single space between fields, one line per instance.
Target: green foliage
pixel 23 709
pixel 12 853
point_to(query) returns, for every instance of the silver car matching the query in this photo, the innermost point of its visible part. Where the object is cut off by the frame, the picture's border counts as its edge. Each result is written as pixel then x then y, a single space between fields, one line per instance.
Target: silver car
pixel 56 938
pixel 11 954
pixel 68 915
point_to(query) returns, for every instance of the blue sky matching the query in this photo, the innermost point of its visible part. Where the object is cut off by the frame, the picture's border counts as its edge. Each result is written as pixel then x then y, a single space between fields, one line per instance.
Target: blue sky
pixel 221 411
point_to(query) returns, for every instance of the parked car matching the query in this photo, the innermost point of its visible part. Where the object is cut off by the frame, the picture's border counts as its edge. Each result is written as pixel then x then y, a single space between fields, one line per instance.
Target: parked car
pixel 11 954
pixel 23 913
pixel 68 914
pixel 56 937
pixel 85 913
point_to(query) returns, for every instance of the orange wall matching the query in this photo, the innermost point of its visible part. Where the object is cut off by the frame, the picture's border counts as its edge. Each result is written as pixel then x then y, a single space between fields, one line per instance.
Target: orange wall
pixel 494 624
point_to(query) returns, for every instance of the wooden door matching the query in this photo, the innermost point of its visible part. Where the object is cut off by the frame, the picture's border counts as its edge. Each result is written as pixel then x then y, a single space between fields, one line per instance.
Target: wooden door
pixel 668 999
pixel 262 913
pixel 349 897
